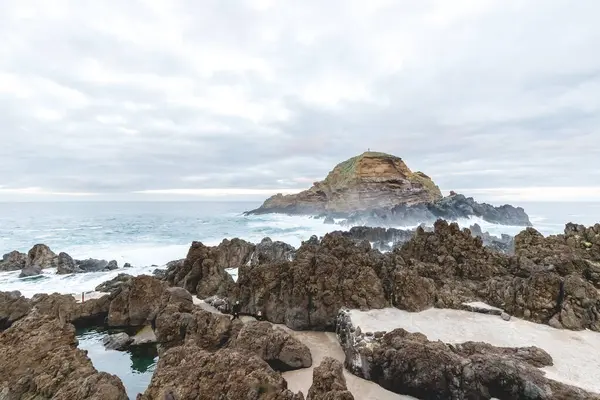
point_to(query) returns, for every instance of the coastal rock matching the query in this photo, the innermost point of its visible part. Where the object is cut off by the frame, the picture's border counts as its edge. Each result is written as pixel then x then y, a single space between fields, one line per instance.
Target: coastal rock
pixel 13 306
pixel 31 270
pixel 410 364
pixel 329 382
pixel 114 284
pixel 307 293
pixel 503 244
pixel 112 265
pixel 269 251
pixel 137 303
pixel 231 374
pixel 369 181
pixel 13 261
pixel 203 271
pixel 66 265
pixel 118 341
pixel 42 256
pixel 28 370
pixel 92 265
pixel 278 348
pixel 160 273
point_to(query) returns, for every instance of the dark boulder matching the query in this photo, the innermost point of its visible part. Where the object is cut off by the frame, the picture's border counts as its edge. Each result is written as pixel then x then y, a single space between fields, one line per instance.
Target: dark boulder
pixel 31 270
pixel 114 284
pixel 13 261
pixel 329 382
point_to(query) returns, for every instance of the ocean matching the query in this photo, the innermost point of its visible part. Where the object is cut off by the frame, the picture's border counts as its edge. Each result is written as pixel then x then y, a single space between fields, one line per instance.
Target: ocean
pixel 150 234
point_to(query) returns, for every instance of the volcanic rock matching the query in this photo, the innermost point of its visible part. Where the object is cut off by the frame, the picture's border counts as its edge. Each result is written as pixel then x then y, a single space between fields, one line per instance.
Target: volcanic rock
pixel 137 302
pixel 114 284
pixel 40 359
pixel 369 181
pixel 307 293
pixel 13 261
pixel 118 341
pixel 329 382
pixel 13 307
pixel 41 255
pixel 66 265
pixel 409 363
pixel 92 265
pixel 31 270
pixel 278 348
pixel 188 372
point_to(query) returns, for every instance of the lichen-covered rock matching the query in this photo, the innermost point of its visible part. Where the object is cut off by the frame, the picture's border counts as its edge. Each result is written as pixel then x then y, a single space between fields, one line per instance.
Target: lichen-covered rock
pixel 278 348
pixel 13 261
pixel 189 372
pixel 329 382
pixel 307 293
pixel 40 360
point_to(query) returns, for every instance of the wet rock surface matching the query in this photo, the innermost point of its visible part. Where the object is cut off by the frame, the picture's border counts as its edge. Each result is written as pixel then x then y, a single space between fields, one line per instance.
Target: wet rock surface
pixel 31 270
pixel 114 284
pixel 13 261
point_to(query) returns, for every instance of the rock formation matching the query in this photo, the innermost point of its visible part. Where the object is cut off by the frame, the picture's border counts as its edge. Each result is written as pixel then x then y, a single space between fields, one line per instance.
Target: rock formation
pixel 114 284
pixel 224 374
pixel 136 303
pixel 13 261
pixel 31 270
pixel 306 293
pixel 366 182
pixel 378 189
pixel 409 363
pixel 40 359
pixel 329 382
pixel 278 348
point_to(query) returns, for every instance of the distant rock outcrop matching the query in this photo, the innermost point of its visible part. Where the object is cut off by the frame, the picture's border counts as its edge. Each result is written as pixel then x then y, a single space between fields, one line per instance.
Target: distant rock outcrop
pixel 379 189
pixel 366 182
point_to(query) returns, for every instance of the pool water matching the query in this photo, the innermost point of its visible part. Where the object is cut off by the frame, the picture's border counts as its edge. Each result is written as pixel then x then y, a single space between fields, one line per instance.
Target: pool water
pixel 135 366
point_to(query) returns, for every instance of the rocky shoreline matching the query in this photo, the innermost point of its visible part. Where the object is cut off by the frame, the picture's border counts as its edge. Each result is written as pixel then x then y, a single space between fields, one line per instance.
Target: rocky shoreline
pixel 551 280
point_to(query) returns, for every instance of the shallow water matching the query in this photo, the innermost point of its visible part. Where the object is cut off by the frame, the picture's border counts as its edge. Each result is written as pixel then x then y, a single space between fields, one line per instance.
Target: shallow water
pixel 135 367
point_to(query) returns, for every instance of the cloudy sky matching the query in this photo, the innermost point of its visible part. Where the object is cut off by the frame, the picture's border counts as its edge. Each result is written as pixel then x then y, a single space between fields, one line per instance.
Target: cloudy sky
pixel 175 98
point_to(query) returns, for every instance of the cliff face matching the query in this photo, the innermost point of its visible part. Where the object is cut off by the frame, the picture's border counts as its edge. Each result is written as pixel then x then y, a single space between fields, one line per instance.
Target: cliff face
pixel 365 182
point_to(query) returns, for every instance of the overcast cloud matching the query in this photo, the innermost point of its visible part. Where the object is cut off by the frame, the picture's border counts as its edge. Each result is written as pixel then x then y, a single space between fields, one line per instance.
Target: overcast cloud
pixel 145 97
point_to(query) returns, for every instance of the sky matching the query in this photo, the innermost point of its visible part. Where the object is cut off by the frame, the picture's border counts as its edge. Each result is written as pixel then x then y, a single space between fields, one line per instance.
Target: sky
pixel 148 99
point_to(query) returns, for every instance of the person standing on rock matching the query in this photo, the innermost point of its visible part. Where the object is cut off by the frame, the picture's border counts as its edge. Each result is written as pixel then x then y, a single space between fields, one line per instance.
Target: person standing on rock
pixel 235 310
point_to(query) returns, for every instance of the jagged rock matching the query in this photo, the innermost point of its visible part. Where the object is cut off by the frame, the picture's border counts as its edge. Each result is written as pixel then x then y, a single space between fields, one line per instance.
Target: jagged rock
pixel 137 303
pixel 40 359
pixel 504 243
pixel 230 374
pixel 41 255
pixel 307 293
pixel 408 363
pixel 179 324
pixel 13 261
pixel 66 265
pixel 118 341
pixel 329 382
pixel 220 303
pixel 278 348
pixel 269 251
pixel 369 181
pixel 13 306
pixel 31 270
pixel 92 265
pixel 114 284
pixel 203 271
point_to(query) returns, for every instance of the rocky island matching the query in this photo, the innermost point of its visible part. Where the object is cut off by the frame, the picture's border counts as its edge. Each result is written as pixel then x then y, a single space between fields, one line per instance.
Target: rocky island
pixel 379 189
